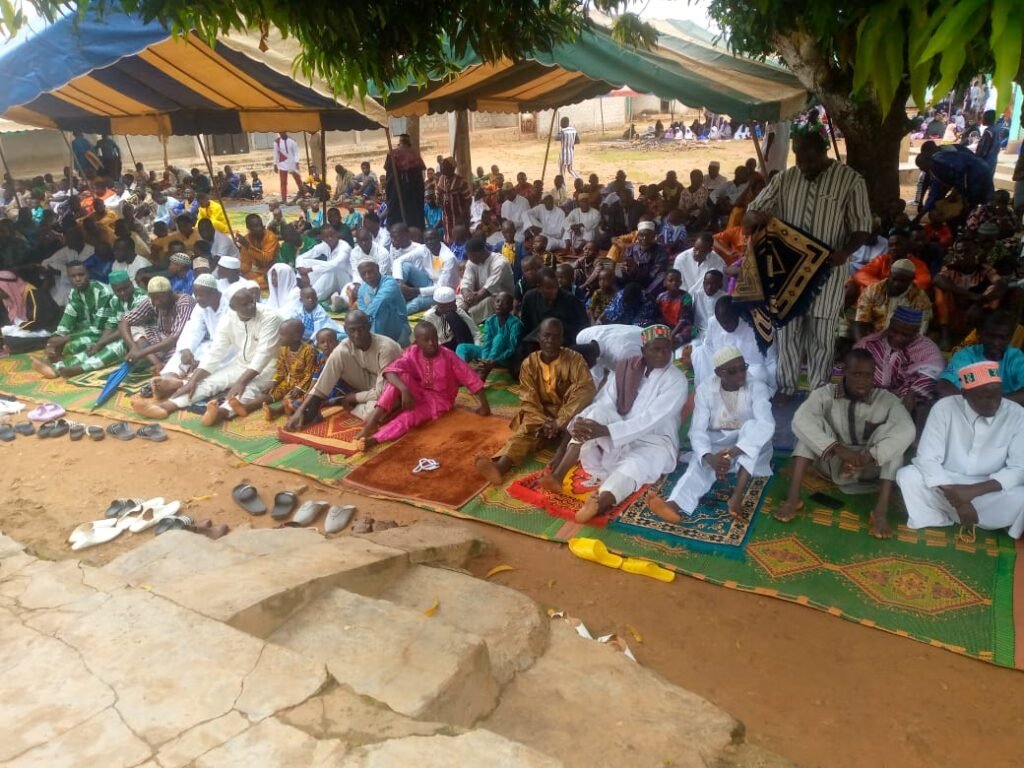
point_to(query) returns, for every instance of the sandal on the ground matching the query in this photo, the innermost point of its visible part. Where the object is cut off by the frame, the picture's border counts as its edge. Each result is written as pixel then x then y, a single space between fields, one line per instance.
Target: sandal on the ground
pixel 25 428
pixel 59 429
pixel 209 530
pixel 284 503
pixel 338 518
pixel 152 432
pixel 384 525
pixel 46 412
pixel 7 433
pixel 95 433
pixel 172 523
pixel 248 498
pixel 153 511
pixel 121 430
pixel 363 525
pixel 120 507
pixel 595 551
pixel 76 432
pixel 308 513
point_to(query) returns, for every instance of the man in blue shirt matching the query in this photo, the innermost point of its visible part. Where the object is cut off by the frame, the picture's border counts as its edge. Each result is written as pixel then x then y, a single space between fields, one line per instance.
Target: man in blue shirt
pixel 382 299
pixel 995 333
pixel 955 167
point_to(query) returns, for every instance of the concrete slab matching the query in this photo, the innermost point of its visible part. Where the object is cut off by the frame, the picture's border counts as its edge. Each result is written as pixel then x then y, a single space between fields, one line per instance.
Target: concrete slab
pixel 601 708
pixel 476 748
pixel 418 666
pixel 201 739
pixel 437 542
pixel 166 559
pixel 103 740
pixel 272 744
pixel 513 626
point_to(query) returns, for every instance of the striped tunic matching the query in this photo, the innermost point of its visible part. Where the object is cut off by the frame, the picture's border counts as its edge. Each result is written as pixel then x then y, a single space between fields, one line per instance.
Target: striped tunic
pixel 831 208
pixel 568 137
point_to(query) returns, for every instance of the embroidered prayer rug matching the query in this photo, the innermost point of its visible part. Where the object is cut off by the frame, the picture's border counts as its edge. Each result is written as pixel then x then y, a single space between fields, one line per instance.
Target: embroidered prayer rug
pixel 782 272
pixel 709 529
pixel 335 434
pixel 132 384
pixel 576 486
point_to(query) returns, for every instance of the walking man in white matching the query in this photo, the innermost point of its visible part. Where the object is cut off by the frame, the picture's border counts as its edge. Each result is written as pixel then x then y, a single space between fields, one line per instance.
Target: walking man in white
pixel 286 162
pixel 569 138
pixel 969 467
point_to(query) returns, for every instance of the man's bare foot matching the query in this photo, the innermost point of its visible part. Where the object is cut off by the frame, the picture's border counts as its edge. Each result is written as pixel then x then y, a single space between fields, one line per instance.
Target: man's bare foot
pixel 268 412
pixel 44 370
pixel 71 370
pixel 488 470
pixel 548 483
pixel 213 414
pixel 880 528
pixel 787 512
pixel 236 405
pixel 164 386
pixel 736 506
pixel 589 509
pixel 364 444
pixel 666 510
pixel 148 408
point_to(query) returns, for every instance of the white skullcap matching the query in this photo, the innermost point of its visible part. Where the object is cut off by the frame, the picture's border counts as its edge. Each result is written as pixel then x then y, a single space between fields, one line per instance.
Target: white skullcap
pixel 234 288
pixel 206 281
pixel 645 226
pixel 725 354
pixel 365 259
pixel 444 295
pixel 229 262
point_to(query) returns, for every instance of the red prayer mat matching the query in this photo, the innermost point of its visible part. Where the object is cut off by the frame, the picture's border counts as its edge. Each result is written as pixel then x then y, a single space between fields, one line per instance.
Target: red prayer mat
pixel 576 486
pixel 335 434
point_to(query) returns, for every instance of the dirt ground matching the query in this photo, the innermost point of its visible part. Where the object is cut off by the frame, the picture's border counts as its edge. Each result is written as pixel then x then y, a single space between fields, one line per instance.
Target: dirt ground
pixel 819 690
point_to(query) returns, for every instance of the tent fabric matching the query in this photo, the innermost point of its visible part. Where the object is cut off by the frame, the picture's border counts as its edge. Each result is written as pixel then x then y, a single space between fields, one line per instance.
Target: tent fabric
pixel 121 75
pixel 6 126
pixel 685 65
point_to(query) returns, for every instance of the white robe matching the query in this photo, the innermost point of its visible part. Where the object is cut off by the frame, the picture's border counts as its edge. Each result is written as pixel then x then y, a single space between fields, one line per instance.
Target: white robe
pixel 331 270
pixel 715 426
pixel 959 447
pixel 704 308
pixel 196 337
pixel 589 220
pixel 761 367
pixel 517 211
pixel 617 343
pixel 284 297
pixel 642 445
pixel 693 273
pixel 551 223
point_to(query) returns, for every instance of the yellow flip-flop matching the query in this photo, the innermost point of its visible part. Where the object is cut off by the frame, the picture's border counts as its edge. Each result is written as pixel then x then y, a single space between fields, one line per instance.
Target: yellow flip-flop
pixel 647 568
pixel 595 551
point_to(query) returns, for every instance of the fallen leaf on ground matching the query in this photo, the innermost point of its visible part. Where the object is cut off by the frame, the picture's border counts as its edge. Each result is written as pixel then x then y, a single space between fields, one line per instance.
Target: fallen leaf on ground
pixel 432 609
pixel 498 569
pixel 635 633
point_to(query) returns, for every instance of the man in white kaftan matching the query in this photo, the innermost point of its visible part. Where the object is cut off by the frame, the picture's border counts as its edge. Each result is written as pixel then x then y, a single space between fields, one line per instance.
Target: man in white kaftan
pixel 728 329
pixel 969 466
pixel 327 265
pixel 485 275
pixel 196 337
pixel 612 344
pixel 730 433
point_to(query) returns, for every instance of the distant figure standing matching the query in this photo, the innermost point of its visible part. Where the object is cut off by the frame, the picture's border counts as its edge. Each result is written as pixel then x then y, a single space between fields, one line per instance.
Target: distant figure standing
pixel 110 155
pixel 569 138
pixel 286 162
pixel 405 167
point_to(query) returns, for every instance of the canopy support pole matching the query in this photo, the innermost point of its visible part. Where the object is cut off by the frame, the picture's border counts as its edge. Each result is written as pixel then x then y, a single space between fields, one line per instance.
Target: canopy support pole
pixel 71 156
pixel 547 151
pixel 760 156
pixel 323 158
pixel 7 171
pixel 461 148
pixel 393 178
pixel 163 140
pixel 832 135
pixel 600 102
pixel 132 156
pixel 305 140
pixel 216 189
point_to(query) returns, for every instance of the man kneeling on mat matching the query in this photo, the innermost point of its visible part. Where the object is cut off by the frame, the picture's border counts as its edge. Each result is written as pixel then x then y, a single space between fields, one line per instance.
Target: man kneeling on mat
pixel 731 433
pixel 629 436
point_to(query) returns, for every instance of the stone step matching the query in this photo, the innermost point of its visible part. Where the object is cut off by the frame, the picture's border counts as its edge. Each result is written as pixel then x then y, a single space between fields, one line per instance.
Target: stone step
pixel 601 708
pixel 439 542
pixel 476 748
pixel 263 577
pixel 418 665
pixel 513 626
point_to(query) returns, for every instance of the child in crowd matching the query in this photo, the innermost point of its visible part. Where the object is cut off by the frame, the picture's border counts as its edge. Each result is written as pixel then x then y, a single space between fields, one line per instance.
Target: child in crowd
pixel 529 280
pixel 326 342
pixel 587 267
pixel 631 306
pixel 502 332
pixel 256 186
pixel 676 308
pixel 565 274
pixel 539 248
pixel 159 244
pixel 602 296
pixel 354 219
pixel 295 362
pixel 704 301
pixel 314 216
pixel 313 317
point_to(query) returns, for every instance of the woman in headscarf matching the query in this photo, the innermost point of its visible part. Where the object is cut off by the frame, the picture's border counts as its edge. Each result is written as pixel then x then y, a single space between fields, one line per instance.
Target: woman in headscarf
pixel 30 314
pixel 453 196
pixel 284 290
pixel 405 186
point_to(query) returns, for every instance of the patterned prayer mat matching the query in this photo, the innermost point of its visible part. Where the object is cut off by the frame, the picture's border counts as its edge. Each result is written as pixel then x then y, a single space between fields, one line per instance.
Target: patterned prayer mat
pixel 334 435
pixel 576 486
pixel 132 384
pixel 709 529
pixel 453 441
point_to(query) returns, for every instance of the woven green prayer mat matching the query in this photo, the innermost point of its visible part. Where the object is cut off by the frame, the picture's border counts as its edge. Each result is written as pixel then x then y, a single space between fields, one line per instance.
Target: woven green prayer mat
pixel 924 585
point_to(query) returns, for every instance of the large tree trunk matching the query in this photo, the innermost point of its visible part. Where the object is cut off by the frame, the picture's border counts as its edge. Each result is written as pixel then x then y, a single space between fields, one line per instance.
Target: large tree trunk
pixel 872 144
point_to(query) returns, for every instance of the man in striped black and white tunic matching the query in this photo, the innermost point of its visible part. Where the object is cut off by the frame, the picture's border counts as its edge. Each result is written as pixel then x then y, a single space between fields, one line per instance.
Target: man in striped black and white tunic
pixel 569 138
pixel 829 201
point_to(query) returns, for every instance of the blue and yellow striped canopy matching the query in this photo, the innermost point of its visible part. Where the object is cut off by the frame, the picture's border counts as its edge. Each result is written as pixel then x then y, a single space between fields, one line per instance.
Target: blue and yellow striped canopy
pixel 121 75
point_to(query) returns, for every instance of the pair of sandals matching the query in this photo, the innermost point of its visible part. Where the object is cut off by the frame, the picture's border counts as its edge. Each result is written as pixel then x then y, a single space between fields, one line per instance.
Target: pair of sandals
pixel 163 520
pixel 337 516
pixel 122 430
pixel 123 515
